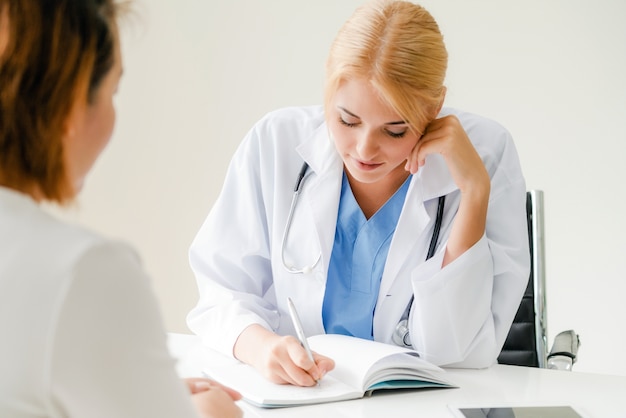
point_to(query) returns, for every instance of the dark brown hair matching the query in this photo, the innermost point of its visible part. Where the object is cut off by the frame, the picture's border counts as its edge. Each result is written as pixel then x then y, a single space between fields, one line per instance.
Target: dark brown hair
pixel 56 53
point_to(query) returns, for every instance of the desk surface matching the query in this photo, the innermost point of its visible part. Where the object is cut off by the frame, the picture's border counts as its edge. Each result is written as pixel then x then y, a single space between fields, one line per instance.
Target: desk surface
pixel 592 395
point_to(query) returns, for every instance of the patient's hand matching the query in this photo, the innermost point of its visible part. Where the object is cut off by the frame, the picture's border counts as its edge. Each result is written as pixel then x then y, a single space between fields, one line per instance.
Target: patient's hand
pixel 213 400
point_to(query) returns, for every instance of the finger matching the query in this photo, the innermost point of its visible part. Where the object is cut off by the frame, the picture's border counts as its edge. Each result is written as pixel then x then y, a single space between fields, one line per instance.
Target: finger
pixel 279 366
pixel 234 395
pixel 300 369
pixel 324 364
pixel 411 164
pixel 427 147
pixel 415 160
pixel 289 373
pixel 216 403
pixel 434 141
pixel 299 377
pixel 197 384
pixel 418 155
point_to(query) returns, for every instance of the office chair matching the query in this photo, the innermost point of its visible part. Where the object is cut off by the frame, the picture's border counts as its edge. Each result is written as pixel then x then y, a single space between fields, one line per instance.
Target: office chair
pixel 526 343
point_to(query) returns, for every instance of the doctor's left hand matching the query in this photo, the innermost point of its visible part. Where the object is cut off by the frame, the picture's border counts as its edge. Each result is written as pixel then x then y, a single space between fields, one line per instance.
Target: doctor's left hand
pixel 280 359
pixel 447 137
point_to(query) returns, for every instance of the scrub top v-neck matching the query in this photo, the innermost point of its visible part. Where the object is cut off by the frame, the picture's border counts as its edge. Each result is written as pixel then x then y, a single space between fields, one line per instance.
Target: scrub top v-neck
pixel 357 263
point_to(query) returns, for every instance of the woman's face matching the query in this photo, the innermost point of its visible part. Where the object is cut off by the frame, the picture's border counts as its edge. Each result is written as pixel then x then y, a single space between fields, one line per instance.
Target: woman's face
pixel 372 139
pixel 91 127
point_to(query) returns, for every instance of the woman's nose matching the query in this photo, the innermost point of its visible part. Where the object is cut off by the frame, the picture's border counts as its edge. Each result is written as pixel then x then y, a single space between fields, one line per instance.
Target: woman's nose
pixel 366 145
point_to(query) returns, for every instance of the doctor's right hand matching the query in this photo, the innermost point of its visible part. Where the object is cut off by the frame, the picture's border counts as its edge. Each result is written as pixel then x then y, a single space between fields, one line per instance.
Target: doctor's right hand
pixel 280 359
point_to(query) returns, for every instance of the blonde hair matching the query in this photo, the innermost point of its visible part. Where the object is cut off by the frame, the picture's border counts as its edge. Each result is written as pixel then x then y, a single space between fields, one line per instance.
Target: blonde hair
pixel 396 46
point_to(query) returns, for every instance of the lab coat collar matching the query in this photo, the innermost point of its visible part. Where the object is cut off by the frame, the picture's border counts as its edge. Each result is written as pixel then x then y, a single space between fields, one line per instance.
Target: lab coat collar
pixel 323 188
pixel 435 178
pixel 431 181
pixel 319 151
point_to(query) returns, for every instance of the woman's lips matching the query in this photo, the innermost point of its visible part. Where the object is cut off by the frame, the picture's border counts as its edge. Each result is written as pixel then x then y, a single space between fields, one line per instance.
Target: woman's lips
pixel 366 165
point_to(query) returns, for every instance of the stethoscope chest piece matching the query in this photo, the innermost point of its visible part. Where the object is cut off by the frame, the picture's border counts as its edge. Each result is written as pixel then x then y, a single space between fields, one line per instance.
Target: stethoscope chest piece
pixel 401 335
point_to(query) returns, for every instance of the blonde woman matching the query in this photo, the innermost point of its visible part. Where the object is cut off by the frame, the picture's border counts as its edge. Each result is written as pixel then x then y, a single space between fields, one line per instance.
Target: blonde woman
pixel 409 225
pixel 81 330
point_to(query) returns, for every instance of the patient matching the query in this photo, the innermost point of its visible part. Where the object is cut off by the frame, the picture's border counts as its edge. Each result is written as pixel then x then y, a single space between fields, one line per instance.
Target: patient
pixel 81 331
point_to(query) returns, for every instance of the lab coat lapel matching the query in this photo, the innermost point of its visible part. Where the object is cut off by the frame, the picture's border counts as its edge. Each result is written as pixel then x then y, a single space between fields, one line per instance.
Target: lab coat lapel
pixel 324 188
pixel 409 245
pixel 411 224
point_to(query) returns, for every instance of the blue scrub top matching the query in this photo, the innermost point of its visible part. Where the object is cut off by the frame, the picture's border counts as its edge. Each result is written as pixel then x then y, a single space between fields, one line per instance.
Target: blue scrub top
pixel 357 263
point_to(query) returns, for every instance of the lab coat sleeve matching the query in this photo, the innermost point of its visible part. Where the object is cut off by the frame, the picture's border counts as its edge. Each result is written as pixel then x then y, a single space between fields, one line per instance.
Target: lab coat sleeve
pixel 462 313
pixel 230 255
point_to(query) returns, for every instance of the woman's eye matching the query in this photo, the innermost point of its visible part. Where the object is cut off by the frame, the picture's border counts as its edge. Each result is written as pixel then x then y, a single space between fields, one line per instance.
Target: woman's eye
pixel 396 134
pixel 348 124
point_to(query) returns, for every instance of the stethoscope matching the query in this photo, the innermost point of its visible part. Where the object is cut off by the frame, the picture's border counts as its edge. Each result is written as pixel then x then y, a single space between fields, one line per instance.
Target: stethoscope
pixel 401 334
pixel 306 269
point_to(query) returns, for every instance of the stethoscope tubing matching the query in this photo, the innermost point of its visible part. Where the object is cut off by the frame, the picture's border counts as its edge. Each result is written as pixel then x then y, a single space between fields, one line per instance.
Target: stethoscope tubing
pixel 294 200
pixel 401 334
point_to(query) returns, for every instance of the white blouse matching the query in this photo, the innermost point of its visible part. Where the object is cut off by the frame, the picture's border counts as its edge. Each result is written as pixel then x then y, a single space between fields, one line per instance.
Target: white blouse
pixel 81 329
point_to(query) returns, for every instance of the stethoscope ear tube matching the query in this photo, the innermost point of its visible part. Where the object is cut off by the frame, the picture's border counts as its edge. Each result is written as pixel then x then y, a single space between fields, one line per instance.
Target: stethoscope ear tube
pixel 433 241
pixel 301 174
pixel 294 201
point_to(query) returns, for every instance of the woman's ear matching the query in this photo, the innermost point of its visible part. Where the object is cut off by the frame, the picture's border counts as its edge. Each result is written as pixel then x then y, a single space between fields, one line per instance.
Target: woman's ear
pixel 70 132
pixel 73 120
pixel 444 90
pixel 69 129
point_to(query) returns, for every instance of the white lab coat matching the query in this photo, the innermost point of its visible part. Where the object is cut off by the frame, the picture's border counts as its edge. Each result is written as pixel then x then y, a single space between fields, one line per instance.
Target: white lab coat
pixel 461 314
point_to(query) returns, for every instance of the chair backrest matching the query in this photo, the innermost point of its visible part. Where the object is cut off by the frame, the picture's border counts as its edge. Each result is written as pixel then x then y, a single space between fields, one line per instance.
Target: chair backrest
pixel 526 344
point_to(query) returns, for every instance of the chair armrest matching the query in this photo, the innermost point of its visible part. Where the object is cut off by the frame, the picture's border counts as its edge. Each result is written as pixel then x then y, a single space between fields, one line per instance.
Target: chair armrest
pixel 564 351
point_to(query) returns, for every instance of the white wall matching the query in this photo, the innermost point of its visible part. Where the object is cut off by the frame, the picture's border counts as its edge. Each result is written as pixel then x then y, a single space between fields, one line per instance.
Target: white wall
pixel 199 73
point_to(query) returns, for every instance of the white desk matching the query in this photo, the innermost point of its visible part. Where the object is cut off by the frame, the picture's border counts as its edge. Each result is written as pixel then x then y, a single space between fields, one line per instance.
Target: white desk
pixel 594 396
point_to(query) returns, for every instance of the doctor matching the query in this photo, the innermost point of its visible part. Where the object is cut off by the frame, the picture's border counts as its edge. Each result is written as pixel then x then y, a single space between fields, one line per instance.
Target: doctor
pixel 352 249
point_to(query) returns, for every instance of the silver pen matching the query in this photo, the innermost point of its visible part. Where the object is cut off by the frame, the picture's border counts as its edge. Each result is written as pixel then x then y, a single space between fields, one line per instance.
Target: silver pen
pixel 299 330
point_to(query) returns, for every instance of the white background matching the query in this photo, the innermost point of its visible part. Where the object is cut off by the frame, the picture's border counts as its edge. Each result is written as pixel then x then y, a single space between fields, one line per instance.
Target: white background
pixel 198 74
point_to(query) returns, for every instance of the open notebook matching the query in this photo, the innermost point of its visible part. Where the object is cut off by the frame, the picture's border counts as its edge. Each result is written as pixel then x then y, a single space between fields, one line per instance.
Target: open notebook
pixel 361 366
